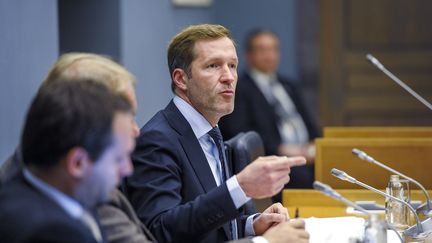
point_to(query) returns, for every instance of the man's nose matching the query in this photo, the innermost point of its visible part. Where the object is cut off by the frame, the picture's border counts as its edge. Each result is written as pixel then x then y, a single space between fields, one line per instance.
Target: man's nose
pixel 228 74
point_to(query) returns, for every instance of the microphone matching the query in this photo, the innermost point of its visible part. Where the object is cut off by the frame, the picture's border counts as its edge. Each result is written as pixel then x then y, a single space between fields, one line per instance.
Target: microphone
pixel 344 176
pixel 381 67
pixel 426 208
pixel 375 229
pixel 327 190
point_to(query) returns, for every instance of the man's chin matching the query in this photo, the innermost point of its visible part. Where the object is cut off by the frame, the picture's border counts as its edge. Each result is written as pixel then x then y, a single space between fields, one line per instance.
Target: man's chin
pixel 227 110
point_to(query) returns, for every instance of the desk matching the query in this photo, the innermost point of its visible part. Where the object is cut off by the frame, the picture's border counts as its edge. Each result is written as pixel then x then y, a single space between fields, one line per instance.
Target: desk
pixel 312 203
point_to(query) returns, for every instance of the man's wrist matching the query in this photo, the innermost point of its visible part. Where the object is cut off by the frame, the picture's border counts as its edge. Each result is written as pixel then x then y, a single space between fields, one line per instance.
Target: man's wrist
pixel 236 192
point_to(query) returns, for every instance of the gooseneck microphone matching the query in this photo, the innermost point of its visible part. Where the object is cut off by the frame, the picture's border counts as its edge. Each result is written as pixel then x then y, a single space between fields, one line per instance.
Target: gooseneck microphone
pixel 364 156
pixel 327 190
pixel 381 67
pixel 375 229
pixel 344 176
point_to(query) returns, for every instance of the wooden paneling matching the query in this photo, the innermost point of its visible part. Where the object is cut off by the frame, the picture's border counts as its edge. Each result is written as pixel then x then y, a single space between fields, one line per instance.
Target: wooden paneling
pixel 411 156
pixel 399 34
pixel 378 132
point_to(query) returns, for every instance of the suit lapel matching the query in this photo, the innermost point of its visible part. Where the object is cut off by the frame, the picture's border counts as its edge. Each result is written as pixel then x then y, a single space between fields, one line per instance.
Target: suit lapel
pixel 191 146
pixel 255 90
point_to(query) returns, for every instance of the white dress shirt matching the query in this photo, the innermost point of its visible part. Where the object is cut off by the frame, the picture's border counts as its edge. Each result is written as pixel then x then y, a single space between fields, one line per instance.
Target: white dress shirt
pixel 200 127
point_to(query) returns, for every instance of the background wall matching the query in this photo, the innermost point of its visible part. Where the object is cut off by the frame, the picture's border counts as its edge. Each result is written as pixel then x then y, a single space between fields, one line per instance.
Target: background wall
pixel 28 47
pixel 146 32
pixel 241 16
pixel 147 29
pixel 134 32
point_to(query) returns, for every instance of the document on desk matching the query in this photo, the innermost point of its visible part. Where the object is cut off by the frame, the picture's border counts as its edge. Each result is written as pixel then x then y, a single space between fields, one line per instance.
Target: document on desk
pixel 340 230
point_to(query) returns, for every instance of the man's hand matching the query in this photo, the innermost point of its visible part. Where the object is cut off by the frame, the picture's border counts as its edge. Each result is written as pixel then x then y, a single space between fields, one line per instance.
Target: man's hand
pixel 273 215
pixel 292 231
pixel 267 175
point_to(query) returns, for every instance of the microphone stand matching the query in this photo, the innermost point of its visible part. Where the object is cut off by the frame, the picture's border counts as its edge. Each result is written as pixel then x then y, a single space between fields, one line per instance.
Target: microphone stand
pixel 381 67
pixel 426 209
pixel 375 229
pixel 344 176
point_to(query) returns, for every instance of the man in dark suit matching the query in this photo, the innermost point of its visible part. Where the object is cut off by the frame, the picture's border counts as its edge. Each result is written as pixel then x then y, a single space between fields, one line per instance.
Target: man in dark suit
pixel 183 188
pixel 75 145
pixel 271 105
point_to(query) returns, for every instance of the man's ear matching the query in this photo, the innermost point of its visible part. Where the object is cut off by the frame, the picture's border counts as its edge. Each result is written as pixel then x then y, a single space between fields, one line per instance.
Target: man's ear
pixel 180 77
pixel 77 162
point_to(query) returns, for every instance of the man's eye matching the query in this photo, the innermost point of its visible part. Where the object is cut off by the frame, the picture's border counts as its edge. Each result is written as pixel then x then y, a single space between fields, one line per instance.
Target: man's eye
pixel 212 65
pixel 234 66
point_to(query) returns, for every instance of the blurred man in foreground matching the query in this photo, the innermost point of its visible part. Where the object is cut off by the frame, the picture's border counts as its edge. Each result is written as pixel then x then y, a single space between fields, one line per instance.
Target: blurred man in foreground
pixel 75 144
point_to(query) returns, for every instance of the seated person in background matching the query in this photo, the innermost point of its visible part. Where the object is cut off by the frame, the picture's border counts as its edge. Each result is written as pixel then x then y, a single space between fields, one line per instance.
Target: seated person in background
pixel 183 188
pixel 271 105
pixel 75 145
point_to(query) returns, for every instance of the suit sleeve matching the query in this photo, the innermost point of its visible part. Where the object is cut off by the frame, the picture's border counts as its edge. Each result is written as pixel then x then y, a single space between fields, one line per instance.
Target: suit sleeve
pixel 157 190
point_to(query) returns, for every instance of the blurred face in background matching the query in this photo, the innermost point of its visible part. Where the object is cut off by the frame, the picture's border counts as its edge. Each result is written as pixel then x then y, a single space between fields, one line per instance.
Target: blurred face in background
pixel 264 53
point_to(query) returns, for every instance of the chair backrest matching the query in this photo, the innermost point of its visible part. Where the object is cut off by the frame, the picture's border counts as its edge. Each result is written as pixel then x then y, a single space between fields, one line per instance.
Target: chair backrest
pixel 242 149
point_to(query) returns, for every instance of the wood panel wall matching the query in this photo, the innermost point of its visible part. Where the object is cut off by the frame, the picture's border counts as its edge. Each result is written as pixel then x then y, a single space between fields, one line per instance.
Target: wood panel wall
pixel 399 34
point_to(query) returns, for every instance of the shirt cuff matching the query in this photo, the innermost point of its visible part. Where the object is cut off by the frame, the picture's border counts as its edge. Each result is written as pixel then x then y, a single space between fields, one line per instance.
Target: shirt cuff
pixel 236 192
pixel 259 239
pixel 249 230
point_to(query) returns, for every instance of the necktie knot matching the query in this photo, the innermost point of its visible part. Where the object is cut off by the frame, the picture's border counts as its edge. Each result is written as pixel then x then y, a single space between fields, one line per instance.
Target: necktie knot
pixel 216 134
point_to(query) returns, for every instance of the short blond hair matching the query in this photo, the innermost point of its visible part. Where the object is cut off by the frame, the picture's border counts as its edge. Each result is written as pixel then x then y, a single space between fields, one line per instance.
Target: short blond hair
pixel 93 67
pixel 181 47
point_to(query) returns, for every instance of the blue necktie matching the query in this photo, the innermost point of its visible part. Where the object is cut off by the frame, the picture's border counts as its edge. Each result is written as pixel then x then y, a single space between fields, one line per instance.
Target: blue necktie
pixel 217 138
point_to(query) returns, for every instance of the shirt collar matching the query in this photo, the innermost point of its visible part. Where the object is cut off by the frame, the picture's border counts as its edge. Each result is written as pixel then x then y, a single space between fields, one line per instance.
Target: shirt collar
pixel 200 126
pixel 70 205
pixel 262 78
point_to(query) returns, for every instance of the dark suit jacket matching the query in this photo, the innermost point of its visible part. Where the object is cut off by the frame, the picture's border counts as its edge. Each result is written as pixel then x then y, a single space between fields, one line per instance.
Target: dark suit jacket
pixel 252 111
pixel 173 189
pixel 27 215
pixel 11 167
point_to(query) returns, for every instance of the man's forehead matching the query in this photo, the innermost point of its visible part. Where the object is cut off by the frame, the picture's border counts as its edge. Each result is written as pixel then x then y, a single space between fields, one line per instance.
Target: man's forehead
pixel 209 48
pixel 263 37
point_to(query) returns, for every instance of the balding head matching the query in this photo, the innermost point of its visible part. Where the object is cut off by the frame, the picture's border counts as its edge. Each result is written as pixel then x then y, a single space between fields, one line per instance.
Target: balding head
pixel 91 66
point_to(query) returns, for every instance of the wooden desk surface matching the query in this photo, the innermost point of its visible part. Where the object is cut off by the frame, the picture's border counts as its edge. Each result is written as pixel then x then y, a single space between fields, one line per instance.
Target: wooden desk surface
pixel 312 203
